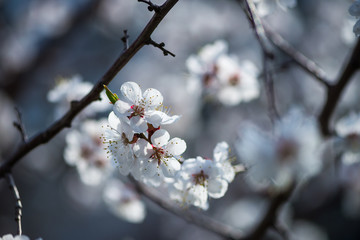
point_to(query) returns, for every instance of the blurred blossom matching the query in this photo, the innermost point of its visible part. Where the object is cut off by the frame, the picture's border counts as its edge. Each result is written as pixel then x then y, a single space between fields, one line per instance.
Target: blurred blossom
pixel 73 89
pixel 290 153
pixel 220 76
pixel 200 178
pixel 85 150
pixel 266 7
pixel 347 34
pixel 124 202
pixel 245 214
pixel 17 237
pixel 354 10
pixel 7 117
pixel 348 130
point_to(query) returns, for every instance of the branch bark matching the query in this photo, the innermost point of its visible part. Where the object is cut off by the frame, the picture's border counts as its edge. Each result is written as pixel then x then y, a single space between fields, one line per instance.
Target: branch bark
pixel 93 95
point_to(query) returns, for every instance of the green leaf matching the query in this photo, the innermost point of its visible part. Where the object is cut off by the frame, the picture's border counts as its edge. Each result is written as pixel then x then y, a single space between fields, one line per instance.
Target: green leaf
pixel 112 96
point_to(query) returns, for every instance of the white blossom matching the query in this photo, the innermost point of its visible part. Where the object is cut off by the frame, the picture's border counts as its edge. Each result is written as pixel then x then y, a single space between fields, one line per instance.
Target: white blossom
pixel 142 108
pixel 117 140
pixel 221 76
pixel 85 150
pixel 124 202
pixel 161 158
pixel 348 130
pixel 198 179
pixel 290 153
pixel 73 89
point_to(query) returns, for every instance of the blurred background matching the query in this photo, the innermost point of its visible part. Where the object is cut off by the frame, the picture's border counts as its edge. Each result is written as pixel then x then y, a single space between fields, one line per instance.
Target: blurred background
pixel 42 41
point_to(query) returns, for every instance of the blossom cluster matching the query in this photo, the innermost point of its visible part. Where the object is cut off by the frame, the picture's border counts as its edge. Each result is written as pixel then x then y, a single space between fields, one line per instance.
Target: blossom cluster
pixel 138 145
pixel 222 77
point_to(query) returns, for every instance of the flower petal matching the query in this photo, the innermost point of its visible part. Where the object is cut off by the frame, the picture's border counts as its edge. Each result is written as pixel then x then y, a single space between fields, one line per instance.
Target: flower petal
pixel 170 166
pixel 160 138
pixel 175 147
pixel 138 124
pixel 122 109
pixel 152 98
pixel 221 152
pixel 131 91
pixel 157 118
pixel 217 187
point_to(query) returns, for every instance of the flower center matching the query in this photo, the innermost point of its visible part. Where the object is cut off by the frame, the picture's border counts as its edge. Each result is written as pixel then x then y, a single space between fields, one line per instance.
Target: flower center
pixel 200 178
pixel 286 149
pixel 353 142
pixel 234 80
pixel 210 75
pixel 137 111
pixel 158 154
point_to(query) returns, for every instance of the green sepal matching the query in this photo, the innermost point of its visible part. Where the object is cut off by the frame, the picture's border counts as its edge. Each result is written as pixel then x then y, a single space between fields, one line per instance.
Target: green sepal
pixel 112 96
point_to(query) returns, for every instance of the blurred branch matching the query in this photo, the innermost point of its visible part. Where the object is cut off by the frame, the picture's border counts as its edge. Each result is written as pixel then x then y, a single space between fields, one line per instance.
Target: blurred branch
pixel 161 47
pixel 11 79
pixel 197 218
pixel 18 206
pixel 254 20
pixel 334 91
pixel 19 125
pixel 300 59
pixel 94 94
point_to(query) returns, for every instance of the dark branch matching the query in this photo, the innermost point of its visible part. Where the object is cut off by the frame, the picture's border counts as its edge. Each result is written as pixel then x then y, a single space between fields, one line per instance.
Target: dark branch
pixel 152 6
pixel 93 95
pixel 334 91
pixel 125 39
pixel 18 206
pixel 197 218
pixel 161 47
pixel 19 125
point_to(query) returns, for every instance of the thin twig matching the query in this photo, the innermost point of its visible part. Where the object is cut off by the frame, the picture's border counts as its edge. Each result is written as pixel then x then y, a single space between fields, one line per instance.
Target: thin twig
pixel 334 91
pixel 152 6
pixel 161 47
pixel 299 58
pixel 19 125
pixel 18 206
pixel 125 40
pixel 255 22
pixel 93 95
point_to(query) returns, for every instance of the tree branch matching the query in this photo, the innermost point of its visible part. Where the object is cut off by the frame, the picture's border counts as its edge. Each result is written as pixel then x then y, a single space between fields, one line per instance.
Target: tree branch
pixel 18 206
pixel 19 125
pixel 334 91
pixel 94 94
pixel 161 47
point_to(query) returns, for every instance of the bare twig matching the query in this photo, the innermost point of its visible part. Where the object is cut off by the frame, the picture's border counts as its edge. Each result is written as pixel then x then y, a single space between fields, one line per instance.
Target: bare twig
pixel 20 125
pixel 93 95
pixel 334 91
pixel 18 206
pixel 125 40
pixel 152 6
pixel 161 47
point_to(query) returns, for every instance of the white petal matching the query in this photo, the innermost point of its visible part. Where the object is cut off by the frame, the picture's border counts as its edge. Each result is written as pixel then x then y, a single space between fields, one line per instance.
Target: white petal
pixel 113 120
pixel 160 138
pixel 122 108
pixel 217 187
pixel 149 167
pixel 157 118
pixel 138 124
pixel 175 147
pixel 152 98
pixel 170 166
pixel 132 92
pixel 221 152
